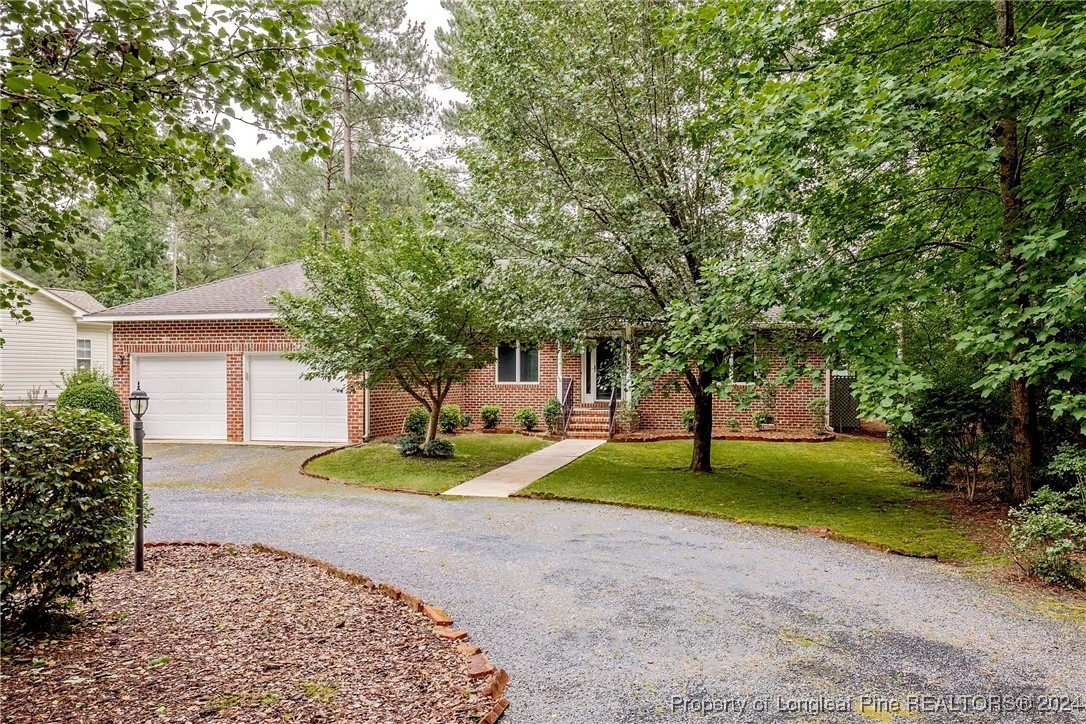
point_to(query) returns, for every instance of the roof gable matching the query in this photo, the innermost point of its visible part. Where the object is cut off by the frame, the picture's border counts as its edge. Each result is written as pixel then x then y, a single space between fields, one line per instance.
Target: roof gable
pixel 244 296
pixel 48 294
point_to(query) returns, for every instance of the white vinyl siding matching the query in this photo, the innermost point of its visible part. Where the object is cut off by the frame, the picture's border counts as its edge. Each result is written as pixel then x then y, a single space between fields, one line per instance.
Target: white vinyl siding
pixel 187 395
pixel 101 339
pixel 35 352
pixel 284 407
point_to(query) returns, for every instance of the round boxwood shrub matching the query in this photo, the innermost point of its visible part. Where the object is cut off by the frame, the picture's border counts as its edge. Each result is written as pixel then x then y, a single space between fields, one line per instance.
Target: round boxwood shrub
pixel 686 419
pixel 552 415
pixel 416 422
pixel 409 444
pixel 525 417
pixel 490 415
pixel 68 489
pixel 93 396
pixel 449 418
pixel 439 447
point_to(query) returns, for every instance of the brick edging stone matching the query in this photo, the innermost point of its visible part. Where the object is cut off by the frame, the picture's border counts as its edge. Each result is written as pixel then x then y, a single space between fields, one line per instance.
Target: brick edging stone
pixel 478 665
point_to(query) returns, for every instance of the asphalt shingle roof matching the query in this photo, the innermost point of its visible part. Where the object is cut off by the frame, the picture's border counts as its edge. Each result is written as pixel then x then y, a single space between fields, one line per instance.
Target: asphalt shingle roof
pixel 242 294
pixel 79 298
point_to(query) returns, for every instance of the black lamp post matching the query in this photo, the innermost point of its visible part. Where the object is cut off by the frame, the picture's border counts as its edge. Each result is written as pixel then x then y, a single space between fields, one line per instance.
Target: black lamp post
pixel 137 403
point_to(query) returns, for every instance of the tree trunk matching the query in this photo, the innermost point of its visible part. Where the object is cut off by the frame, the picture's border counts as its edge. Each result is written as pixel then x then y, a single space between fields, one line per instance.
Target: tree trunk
pixel 431 427
pixel 437 399
pixel 348 152
pixel 1024 445
pixel 701 460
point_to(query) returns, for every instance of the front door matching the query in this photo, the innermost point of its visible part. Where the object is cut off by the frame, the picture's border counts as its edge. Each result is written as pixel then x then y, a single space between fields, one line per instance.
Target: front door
pixel 600 371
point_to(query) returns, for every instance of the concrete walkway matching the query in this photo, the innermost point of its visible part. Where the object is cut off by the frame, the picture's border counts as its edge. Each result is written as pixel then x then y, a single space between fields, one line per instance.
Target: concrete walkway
pixel 508 479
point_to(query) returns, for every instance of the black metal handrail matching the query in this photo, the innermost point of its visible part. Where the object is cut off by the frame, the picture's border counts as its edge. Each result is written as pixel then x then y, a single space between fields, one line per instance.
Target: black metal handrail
pixel 611 409
pixel 567 406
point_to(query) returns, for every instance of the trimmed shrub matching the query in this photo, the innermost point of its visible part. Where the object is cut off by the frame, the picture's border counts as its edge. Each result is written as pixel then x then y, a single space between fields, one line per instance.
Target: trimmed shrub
pixel 817 406
pixel 409 444
pixel 525 417
pixel 1049 535
pixel 490 415
pixel 93 396
pixel 86 376
pixel 68 488
pixel 449 419
pixel 552 415
pixel 439 447
pixel 686 419
pixel 956 434
pixel 465 421
pixel 416 422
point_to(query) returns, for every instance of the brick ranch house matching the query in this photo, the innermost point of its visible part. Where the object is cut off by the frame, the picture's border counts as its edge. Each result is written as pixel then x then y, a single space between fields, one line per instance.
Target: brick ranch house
pixel 210 357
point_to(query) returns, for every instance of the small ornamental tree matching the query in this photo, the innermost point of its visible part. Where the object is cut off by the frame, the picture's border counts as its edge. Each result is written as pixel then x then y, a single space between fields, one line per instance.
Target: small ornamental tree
pixel 404 303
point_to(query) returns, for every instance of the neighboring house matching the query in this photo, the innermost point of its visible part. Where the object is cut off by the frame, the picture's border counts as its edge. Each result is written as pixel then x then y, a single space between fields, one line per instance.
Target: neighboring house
pixel 60 337
pixel 210 357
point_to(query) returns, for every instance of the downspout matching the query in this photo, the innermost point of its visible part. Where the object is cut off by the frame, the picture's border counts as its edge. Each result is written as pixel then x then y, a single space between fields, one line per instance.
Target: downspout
pixel 558 381
pixel 627 393
pixel 366 407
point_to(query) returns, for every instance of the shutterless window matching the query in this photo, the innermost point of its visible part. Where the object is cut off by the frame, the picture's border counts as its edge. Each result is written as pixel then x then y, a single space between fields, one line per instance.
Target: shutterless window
pixel 82 354
pixel 517 363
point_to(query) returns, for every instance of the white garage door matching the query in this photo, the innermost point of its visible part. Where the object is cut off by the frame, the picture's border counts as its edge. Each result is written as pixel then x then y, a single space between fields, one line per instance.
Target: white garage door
pixel 188 396
pixel 287 408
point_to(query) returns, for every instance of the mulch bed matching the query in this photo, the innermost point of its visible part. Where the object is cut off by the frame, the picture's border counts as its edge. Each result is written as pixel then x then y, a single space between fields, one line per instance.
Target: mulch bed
pixel 231 634
pixel 759 435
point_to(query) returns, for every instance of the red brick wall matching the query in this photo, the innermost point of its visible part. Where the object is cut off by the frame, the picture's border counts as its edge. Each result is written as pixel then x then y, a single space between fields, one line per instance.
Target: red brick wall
pixel 231 337
pixel 390 405
pixel 660 412
pixel 482 388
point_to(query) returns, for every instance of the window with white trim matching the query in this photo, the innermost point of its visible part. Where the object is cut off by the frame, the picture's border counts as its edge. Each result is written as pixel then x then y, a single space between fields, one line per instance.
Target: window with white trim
pixel 517 363
pixel 82 354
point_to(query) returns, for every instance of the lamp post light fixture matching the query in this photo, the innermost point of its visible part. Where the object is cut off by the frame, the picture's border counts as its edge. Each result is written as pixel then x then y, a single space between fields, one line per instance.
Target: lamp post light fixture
pixel 138 402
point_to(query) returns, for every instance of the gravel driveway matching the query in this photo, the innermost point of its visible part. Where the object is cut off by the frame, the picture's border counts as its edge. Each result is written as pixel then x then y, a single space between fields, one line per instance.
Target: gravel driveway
pixel 604 614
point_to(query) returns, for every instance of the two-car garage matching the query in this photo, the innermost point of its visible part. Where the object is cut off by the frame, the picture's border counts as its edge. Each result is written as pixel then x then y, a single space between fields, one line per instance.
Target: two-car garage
pixel 190 400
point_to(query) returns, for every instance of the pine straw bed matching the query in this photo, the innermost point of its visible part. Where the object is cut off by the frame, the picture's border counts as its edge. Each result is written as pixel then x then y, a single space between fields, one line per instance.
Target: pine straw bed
pixel 230 634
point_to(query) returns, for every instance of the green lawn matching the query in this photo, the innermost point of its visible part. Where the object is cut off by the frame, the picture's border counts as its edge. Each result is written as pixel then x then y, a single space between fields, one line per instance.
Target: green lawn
pixel 379 465
pixel 852 487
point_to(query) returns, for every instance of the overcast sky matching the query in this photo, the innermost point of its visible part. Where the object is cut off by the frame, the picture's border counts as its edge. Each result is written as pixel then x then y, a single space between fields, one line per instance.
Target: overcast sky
pixel 429 12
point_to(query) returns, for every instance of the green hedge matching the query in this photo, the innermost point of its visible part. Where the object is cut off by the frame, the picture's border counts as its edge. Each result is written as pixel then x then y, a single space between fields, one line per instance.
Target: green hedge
pixel 68 490
pixel 93 396
pixel 525 417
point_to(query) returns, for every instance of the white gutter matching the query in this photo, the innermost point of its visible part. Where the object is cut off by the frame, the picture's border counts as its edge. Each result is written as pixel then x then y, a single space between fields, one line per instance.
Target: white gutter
pixel 178 317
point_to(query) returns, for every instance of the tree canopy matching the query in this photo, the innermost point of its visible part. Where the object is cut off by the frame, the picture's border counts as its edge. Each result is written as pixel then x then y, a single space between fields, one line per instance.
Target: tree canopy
pixel 97 98
pixel 580 159
pixel 927 153
pixel 406 303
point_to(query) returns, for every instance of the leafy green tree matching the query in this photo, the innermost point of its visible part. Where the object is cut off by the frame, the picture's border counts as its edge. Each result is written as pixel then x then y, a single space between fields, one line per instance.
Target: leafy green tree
pixel 406 303
pixel 581 163
pixel 95 98
pixel 927 152
pixel 371 115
